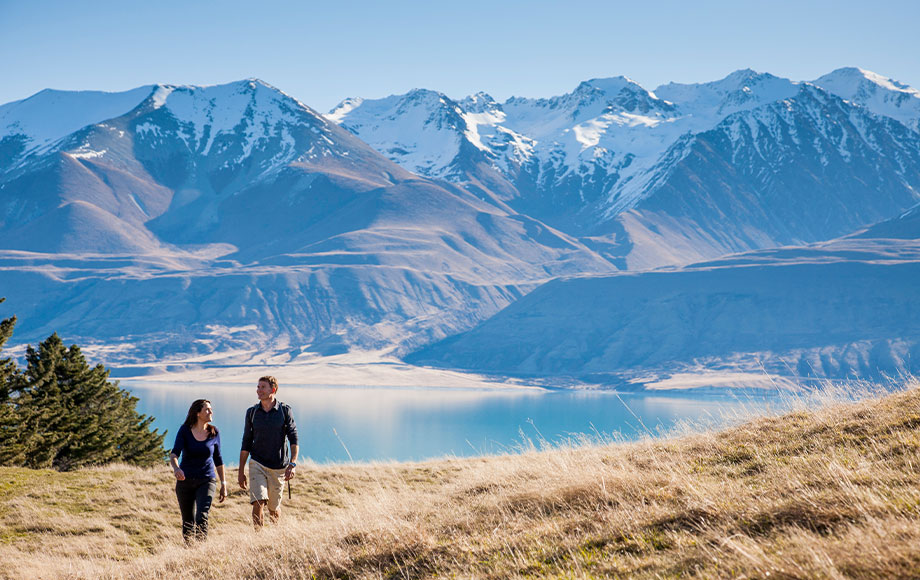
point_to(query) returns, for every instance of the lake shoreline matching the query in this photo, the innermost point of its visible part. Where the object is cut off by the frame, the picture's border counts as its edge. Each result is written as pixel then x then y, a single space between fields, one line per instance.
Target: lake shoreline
pixel 342 370
pixel 375 370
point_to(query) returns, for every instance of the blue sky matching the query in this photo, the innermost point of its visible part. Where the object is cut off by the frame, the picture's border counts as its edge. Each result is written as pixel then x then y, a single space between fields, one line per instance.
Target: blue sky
pixel 322 52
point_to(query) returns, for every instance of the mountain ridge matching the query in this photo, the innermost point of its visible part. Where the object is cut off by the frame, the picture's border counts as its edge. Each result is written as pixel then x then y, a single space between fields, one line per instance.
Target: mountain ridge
pixel 584 158
pixel 233 221
pixel 228 205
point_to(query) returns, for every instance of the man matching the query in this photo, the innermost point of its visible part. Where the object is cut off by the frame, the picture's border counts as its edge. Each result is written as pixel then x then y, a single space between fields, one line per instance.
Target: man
pixel 268 424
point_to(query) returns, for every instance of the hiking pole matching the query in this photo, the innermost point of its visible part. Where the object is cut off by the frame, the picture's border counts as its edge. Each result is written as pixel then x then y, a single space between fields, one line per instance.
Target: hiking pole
pixel 289 489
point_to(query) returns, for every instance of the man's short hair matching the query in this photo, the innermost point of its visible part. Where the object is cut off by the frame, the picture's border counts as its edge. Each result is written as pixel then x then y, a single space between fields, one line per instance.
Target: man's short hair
pixel 272 381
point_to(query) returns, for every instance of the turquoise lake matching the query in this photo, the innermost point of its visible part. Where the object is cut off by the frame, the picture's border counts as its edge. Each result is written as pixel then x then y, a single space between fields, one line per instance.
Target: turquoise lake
pixel 338 424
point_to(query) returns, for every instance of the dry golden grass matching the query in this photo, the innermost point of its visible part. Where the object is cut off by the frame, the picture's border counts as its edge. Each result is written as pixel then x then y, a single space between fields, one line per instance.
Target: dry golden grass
pixel 828 494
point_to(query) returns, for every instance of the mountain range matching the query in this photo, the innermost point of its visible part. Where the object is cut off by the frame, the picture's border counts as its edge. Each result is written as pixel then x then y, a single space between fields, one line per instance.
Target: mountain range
pixel 232 223
pixel 747 162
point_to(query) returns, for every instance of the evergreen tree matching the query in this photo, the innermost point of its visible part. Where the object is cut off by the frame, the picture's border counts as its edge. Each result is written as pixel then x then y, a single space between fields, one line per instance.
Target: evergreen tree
pixel 7 368
pixel 8 415
pixel 70 415
pixel 60 412
pixel 137 444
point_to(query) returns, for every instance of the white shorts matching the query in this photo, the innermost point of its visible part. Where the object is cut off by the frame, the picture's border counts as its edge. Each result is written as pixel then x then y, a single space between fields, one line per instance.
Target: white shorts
pixel 265 484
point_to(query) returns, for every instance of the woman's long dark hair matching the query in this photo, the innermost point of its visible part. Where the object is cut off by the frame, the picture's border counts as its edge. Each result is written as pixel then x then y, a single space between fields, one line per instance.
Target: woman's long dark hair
pixel 192 416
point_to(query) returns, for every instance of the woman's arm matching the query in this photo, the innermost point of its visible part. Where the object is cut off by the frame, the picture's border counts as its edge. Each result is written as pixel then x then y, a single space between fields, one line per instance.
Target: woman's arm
pixel 177 471
pixel 219 467
pixel 174 455
pixel 223 482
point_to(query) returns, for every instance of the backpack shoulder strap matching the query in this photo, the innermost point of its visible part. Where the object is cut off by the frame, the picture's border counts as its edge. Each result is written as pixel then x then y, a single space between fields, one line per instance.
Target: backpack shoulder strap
pixel 285 414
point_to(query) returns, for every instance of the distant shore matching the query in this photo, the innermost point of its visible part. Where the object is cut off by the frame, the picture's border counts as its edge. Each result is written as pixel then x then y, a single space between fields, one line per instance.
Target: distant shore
pixel 346 370
pixel 374 369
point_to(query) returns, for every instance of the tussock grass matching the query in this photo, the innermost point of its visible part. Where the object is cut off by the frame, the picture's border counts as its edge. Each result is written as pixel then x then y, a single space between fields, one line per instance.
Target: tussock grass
pixel 832 493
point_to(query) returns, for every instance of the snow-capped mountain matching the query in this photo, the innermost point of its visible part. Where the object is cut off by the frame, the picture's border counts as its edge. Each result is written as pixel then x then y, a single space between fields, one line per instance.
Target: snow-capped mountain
pixel 234 218
pixel 810 167
pixel 880 94
pixel 37 123
pixel 559 153
pixel 168 163
pixel 428 152
pixel 705 104
pixel 597 160
pixel 235 223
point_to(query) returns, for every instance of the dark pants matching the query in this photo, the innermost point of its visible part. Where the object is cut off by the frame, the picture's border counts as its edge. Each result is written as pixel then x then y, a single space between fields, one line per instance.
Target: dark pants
pixel 195 497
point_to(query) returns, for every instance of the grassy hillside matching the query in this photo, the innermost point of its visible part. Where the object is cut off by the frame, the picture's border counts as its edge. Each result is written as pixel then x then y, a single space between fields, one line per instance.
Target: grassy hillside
pixel 827 494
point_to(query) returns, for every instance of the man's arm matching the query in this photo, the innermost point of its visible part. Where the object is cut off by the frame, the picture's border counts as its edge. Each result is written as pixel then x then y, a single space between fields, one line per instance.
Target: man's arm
pixel 289 472
pixel 245 447
pixel 291 429
pixel 241 476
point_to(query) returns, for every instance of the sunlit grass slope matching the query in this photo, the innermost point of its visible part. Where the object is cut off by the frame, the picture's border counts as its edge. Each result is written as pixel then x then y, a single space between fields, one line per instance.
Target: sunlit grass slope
pixel 833 493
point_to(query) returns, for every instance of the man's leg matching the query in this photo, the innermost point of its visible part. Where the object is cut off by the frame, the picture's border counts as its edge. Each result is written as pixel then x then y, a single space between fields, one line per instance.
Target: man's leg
pixel 258 492
pixel 257 519
pixel 275 489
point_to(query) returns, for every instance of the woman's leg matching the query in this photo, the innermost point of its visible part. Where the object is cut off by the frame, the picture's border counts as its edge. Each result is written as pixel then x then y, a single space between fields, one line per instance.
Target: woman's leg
pixel 204 496
pixel 185 493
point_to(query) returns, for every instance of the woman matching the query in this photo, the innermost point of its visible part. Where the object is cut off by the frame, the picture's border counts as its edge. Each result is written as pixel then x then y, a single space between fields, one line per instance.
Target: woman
pixel 198 442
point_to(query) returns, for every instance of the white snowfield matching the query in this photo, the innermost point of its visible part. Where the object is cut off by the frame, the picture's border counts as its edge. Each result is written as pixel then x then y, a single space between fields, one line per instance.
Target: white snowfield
pixel 879 94
pixel 48 116
pixel 211 111
pixel 215 232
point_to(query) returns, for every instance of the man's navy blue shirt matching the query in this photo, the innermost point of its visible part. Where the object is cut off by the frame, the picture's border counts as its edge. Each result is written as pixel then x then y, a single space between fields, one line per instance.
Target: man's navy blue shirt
pixel 264 434
pixel 199 458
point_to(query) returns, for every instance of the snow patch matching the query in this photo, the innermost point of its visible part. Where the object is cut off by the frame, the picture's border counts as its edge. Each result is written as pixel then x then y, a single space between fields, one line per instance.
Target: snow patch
pixel 147 127
pixel 159 96
pixel 86 154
